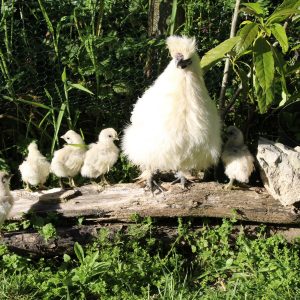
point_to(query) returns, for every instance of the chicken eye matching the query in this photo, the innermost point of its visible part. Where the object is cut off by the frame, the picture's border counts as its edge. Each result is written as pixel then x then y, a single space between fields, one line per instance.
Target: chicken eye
pixel 110 136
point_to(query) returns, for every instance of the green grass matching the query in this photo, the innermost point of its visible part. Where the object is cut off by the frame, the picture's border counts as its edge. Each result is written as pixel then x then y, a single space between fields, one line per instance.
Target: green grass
pixel 204 264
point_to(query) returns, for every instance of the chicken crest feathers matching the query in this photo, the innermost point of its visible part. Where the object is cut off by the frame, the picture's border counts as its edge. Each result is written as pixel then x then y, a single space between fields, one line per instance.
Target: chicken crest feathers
pixel 181 44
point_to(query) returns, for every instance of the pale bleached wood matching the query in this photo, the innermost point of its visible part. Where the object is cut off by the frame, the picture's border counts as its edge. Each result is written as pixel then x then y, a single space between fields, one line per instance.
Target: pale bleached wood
pixel 119 202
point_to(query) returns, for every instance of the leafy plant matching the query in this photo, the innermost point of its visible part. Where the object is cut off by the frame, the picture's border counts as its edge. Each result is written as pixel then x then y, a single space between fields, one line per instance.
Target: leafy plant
pixel 265 64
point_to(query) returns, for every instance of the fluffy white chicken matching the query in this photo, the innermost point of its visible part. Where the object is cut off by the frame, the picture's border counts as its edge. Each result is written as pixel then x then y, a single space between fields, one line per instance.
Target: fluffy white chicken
pixel 6 198
pixel 35 168
pixel 175 124
pixel 237 159
pixel 101 156
pixel 68 160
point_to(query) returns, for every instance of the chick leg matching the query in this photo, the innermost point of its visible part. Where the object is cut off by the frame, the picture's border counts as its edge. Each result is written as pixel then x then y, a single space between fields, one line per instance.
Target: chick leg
pixel 61 184
pixel 229 186
pixel 42 187
pixel 72 182
pixel 104 180
pixel 27 187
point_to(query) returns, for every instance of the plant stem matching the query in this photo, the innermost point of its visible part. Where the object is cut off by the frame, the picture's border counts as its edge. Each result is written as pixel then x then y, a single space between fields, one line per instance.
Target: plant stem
pixel 227 62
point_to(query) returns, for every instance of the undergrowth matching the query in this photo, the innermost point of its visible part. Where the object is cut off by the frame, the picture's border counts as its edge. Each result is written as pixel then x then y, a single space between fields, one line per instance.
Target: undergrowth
pixel 207 263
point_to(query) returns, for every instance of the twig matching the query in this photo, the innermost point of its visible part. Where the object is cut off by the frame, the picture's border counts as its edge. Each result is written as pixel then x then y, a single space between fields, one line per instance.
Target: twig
pixel 227 62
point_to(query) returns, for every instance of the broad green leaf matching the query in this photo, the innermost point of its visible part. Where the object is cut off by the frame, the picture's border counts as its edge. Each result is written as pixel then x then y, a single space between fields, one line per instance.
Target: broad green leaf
pixel 264 63
pixel 247 35
pixel 280 66
pixel 255 8
pixel 284 98
pixel 265 99
pixel 212 56
pixel 279 32
pixel 78 86
pixel 79 252
pixel 281 15
pixel 66 257
pixel 64 75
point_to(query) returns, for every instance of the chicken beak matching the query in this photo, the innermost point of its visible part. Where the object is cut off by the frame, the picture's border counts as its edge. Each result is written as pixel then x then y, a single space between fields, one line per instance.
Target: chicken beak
pixel 180 62
pixel 116 138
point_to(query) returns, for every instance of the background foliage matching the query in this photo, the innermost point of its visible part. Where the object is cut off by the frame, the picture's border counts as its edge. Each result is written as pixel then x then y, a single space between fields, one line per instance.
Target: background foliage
pixel 82 64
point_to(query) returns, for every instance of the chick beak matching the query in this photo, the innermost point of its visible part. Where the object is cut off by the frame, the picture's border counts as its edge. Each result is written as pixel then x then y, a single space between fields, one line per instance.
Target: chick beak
pixel 62 137
pixel 181 62
pixel 116 138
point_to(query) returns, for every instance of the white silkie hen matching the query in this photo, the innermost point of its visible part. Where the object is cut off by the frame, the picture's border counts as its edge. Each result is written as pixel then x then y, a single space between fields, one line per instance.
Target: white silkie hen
pixel 68 160
pixel 175 124
pixel 6 198
pixel 35 168
pixel 101 156
pixel 237 159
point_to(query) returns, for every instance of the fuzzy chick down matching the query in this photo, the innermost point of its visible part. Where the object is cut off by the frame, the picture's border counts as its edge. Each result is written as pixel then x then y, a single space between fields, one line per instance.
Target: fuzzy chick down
pixel 68 160
pixel 6 198
pixel 102 155
pixel 237 159
pixel 35 168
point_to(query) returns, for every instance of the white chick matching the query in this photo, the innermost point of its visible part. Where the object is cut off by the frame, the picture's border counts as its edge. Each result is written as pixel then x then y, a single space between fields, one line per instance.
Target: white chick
pixel 101 156
pixel 35 168
pixel 68 160
pixel 237 159
pixel 6 198
pixel 175 125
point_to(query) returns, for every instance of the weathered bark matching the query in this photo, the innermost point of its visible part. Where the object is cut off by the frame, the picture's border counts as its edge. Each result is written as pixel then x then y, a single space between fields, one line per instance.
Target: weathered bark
pixel 121 201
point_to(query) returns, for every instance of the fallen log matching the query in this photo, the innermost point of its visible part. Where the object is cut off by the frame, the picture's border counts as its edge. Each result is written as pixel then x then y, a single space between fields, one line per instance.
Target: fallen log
pixel 114 207
pixel 119 202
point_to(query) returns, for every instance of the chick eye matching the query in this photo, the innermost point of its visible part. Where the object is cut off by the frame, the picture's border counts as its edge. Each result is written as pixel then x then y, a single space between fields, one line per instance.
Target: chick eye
pixel 110 136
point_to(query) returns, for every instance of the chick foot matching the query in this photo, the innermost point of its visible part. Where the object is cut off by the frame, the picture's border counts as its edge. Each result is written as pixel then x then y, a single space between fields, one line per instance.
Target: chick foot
pixel 229 186
pixel 27 188
pixel 239 185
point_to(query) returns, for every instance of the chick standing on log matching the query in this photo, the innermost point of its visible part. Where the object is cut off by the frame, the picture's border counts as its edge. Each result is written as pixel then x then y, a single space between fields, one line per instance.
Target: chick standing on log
pixel 175 124
pixel 237 159
pixel 68 160
pixel 101 156
pixel 6 198
pixel 35 168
